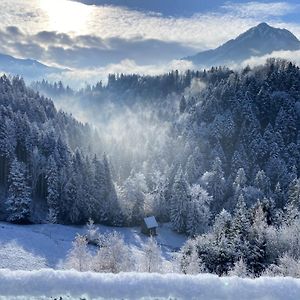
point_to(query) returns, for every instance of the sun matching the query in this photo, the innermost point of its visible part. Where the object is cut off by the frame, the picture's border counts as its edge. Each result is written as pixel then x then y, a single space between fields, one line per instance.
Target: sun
pixel 66 16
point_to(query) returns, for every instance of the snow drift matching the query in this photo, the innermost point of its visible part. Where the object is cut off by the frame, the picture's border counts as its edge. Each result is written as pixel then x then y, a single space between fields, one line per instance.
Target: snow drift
pixel 49 283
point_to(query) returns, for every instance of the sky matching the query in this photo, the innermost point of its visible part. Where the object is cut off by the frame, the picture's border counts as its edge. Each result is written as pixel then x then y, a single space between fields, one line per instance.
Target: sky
pixel 94 37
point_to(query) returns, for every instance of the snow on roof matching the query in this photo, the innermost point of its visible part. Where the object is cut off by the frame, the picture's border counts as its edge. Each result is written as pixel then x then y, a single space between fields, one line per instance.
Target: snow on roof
pixel 150 222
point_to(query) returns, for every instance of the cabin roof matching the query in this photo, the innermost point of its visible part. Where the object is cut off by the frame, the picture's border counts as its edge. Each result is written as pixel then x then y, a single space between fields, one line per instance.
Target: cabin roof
pixel 150 222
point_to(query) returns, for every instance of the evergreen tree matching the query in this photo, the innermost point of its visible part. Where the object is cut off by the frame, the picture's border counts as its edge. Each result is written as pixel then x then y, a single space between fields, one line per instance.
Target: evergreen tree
pixel 294 193
pixel 198 215
pixel 52 178
pixel 262 182
pixel 214 183
pixel 179 203
pixel 257 253
pixel 240 229
pixel 19 196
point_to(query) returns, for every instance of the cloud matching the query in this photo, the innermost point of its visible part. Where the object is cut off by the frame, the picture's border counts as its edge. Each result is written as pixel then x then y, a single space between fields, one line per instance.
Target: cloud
pixel 113 35
pixel 78 78
pixel 85 51
pixel 200 31
pixel 293 56
pixel 258 9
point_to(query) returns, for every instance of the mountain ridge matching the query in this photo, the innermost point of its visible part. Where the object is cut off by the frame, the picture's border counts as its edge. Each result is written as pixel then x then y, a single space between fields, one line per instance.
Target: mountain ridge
pixel 28 68
pixel 257 41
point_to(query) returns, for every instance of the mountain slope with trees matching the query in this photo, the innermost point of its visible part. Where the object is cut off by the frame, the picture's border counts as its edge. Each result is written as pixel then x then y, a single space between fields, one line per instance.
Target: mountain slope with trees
pixel 215 153
pixel 216 136
pixel 49 168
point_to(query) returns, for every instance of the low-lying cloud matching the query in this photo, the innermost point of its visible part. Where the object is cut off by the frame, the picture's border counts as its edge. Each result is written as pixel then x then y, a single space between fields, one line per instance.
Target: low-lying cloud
pixel 80 77
pixel 293 56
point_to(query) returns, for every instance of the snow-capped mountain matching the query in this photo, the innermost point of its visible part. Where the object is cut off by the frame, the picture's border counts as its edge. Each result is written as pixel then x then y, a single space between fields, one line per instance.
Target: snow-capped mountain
pixel 27 68
pixel 257 41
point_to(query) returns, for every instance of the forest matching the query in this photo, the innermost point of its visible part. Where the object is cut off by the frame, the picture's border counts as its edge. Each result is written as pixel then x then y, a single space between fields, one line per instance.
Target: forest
pixel 216 153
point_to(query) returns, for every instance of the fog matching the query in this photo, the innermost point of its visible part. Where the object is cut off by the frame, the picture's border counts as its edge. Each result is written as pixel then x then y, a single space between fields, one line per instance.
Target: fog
pixel 138 136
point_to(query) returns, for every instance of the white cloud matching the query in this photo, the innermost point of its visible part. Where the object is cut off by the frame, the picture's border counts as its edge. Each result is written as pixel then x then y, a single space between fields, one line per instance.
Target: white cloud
pixel 258 9
pixel 79 77
pixel 293 56
pixel 200 31
pixel 106 23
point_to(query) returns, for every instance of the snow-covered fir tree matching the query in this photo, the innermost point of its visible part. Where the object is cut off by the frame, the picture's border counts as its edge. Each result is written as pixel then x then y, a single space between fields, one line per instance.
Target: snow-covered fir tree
pixel 19 195
pixel 179 202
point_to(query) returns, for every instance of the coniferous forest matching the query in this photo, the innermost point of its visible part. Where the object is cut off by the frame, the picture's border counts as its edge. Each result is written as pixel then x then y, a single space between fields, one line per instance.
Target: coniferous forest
pixel 216 153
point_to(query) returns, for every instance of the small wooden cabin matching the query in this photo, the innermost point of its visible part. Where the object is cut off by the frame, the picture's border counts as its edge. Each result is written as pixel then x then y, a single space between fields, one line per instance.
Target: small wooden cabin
pixel 149 226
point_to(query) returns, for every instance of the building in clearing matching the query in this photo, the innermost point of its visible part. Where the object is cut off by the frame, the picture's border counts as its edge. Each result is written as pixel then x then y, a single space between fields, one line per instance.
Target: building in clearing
pixel 149 226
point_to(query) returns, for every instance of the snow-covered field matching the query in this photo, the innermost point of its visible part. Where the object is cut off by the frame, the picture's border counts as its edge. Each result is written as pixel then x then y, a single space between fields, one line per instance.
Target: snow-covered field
pixel 33 247
pixel 27 253
pixel 46 284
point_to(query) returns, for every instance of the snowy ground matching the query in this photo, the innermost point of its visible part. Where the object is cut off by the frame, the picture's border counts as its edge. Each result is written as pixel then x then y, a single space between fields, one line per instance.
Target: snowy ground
pixel 47 284
pixel 32 247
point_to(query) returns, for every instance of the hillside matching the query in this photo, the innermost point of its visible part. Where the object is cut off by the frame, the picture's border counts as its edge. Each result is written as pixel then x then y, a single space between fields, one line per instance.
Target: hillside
pixel 216 153
pixel 47 158
pixel 35 247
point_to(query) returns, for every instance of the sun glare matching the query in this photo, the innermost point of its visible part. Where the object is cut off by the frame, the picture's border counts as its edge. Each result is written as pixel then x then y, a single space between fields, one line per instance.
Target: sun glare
pixel 65 15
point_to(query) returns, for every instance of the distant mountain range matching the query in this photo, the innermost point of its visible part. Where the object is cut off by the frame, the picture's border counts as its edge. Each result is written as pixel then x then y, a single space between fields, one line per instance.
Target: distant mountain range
pixel 28 68
pixel 257 41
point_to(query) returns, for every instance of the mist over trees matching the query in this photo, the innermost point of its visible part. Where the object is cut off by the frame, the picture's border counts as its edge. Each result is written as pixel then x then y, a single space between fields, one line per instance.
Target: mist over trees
pixel 49 168
pixel 230 134
pixel 216 153
pixel 180 146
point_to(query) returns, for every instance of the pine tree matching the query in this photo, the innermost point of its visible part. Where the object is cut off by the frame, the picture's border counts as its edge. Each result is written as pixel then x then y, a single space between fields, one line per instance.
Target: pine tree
pixel 278 196
pixel 160 205
pixel 256 258
pixel 240 229
pixel 262 182
pixel 19 196
pixel 239 183
pixel 294 193
pixel 214 183
pixel 179 202
pixel 52 178
pixel 182 105
pixel 52 216
pixel 198 215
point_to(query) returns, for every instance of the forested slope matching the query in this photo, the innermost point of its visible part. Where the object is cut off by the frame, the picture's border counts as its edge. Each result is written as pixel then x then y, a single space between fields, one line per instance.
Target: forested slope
pixel 205 137
pixel 216 153
pixel 49 170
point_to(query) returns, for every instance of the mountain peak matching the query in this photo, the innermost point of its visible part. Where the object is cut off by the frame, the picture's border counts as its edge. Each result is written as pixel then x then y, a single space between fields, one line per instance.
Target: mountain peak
pixel 257 41
pixel 263 25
